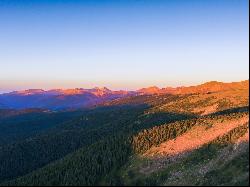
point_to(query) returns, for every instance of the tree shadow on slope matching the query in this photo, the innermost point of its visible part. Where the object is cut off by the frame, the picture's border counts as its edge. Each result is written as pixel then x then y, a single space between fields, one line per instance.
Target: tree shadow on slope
pixel 91 164
pixel 110 138
pixel 231 110
pixel 219 162
pixel 20 158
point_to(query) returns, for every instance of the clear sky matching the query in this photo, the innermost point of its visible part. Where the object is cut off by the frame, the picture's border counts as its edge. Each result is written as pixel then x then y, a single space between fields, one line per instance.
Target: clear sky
pixel 122 44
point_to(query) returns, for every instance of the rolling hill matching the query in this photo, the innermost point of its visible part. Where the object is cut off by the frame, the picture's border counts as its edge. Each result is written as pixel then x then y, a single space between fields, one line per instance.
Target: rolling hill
pixel 192 136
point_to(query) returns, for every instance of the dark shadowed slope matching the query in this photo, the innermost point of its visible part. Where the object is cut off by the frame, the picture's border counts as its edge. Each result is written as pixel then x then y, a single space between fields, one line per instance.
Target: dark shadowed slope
pixel 16 125
pixel 140 140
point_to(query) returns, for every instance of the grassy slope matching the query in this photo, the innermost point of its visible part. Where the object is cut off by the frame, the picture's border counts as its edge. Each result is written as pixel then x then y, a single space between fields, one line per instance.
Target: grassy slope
pixel 69 170
pixel 72 165
pixel 219 162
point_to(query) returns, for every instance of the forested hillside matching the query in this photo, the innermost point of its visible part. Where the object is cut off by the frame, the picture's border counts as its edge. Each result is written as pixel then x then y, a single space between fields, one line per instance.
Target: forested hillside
pixel 158 139
pixel 17 125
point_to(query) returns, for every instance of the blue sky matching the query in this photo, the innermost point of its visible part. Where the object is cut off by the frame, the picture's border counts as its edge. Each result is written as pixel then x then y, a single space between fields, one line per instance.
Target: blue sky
pixel 122 44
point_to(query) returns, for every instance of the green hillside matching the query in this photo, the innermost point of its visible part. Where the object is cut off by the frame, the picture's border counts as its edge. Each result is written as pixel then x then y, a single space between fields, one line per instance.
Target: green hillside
pixel 121 143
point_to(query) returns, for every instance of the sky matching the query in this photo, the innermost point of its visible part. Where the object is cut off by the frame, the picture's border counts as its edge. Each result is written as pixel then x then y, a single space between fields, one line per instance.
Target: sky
pixel 122 44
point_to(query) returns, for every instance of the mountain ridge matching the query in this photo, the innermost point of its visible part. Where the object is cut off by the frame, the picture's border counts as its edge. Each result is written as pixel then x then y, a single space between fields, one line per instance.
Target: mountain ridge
pixel 57 99
pixel 204 126
pixel 212 85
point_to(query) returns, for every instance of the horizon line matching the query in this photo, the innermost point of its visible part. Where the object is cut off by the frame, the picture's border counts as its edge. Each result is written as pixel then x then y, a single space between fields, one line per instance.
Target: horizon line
pixel 68 88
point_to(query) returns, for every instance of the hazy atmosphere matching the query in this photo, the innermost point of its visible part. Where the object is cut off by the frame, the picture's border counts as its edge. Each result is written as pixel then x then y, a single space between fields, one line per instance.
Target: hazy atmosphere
pixel 122 44
pixel 124 93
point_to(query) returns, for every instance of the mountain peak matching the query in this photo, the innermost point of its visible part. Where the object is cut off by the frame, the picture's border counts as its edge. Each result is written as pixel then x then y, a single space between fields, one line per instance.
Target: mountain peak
pixel 212 82
pixel 29 92
pixel 100 91
pixel 149 90
pixel 102 88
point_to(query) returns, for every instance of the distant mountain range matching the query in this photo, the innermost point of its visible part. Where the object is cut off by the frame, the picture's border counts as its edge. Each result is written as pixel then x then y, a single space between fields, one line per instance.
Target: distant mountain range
pixel 194 136
pixel 212 86
pixel 57 99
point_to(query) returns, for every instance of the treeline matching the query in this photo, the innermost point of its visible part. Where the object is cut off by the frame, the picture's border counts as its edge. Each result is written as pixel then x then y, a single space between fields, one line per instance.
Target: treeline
pixel 96 144
pixel 154 136
pixel 148 100
pixel 228 172
pixel 99 125
pixel 231 136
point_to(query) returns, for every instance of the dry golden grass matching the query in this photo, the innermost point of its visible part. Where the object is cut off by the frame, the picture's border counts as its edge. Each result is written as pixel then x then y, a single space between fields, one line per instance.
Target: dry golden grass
pixel 195 138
